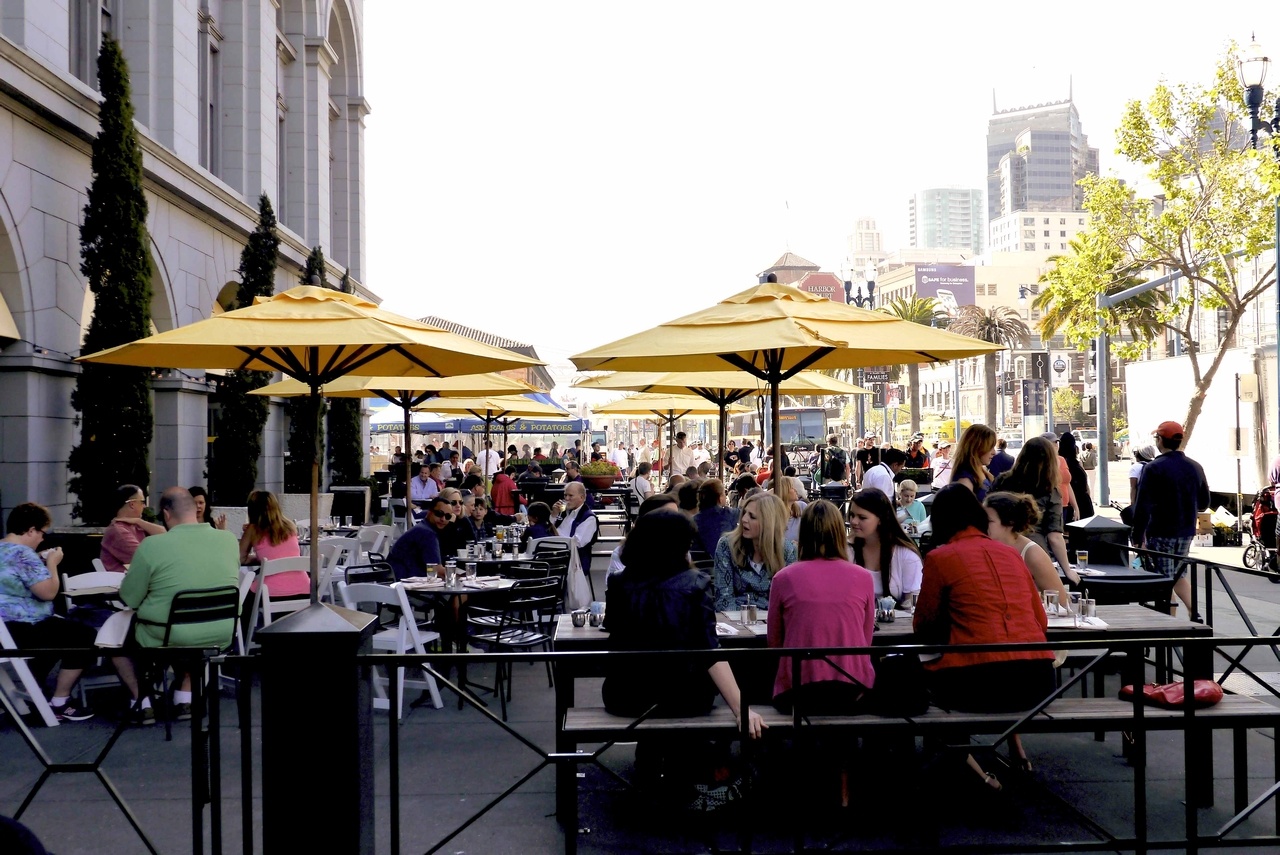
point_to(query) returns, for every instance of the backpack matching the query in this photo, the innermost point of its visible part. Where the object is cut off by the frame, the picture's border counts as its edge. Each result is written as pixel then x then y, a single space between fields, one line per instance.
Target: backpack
pixel 837 464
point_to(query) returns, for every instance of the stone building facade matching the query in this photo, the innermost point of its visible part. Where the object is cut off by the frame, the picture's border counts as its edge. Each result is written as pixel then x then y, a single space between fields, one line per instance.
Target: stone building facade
pixel 233 98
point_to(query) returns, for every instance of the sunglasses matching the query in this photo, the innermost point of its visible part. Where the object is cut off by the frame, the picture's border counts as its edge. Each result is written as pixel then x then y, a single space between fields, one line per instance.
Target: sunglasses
pixel 443 515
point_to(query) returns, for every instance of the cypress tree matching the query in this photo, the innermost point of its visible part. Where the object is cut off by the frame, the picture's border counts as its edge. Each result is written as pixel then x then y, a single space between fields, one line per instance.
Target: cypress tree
pixel 113 402
pixel 303 423
pixel 233 457
pixel 345 447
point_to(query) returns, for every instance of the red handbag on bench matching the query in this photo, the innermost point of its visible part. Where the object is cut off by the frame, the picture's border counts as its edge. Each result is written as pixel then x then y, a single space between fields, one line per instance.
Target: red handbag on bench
pixel 1172 695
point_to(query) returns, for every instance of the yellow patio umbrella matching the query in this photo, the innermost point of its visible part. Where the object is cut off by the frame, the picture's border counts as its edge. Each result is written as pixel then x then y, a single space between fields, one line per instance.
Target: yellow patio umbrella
pixel 406 392
pixel 719 387
pixel 666 408
pixel 503 409
pixel 774 331
pixel 314 335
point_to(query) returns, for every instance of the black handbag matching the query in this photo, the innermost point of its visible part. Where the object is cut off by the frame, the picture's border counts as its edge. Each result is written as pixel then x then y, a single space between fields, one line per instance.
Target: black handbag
pixel 900 689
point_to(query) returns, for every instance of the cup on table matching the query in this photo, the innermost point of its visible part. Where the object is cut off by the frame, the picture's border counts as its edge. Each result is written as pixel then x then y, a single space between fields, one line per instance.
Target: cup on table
pixel 1082 559
pixel 1076 596
pixel 464 553
pixel 596 618
pixel 450 573
pixel 579 617
pixel 1050 600
pixel 908 602
pixel 346 522
pixel 1088 608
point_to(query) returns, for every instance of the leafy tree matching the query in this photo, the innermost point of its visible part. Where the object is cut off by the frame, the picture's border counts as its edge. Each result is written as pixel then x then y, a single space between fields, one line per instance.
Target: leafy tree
pixel 1212 217
pixel 997 325
pixel 304 422
pixel 233 463
pixel 926 312
pixel 1067 405
pixel 113 402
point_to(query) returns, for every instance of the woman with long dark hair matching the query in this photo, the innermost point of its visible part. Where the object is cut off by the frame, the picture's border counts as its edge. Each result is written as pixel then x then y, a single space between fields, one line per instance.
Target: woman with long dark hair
pixel 1036 473
pixel 977 591
pixel 1079 480
pixel 881 546
pixel 659 602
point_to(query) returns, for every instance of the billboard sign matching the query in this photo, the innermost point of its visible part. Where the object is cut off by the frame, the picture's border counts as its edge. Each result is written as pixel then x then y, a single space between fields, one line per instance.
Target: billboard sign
pixel 823 284
pixel 950 284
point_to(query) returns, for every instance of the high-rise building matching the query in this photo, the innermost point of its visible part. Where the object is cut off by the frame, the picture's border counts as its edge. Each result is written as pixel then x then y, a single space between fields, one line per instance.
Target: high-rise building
pixel 947 218
pixel 866 249
pixel 1036 157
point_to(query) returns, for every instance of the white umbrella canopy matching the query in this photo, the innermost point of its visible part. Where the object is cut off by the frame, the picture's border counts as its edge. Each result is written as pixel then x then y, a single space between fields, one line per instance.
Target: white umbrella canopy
pixel 314 335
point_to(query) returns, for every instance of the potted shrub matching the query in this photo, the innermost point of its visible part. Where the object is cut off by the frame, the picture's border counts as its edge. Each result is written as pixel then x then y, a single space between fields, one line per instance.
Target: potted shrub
pixel 600 474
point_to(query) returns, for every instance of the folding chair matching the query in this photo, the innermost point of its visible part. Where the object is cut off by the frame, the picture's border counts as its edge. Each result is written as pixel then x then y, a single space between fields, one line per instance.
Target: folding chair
pixel 269 609
pixel 335 554
pixel 94 579
pixel 520 624
pixel 405 636
pixel 192 608
pixel 375 542
pixel 26 689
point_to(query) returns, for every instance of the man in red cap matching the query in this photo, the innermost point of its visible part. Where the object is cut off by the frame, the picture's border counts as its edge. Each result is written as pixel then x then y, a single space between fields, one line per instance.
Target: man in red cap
pixel 1171 491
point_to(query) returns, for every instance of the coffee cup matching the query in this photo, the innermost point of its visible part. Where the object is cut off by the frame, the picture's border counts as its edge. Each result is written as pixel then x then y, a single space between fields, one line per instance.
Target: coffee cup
pixel 595 618
pixel 579 618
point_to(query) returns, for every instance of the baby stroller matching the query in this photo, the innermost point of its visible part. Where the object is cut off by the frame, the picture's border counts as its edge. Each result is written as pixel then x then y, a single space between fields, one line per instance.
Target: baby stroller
pixel 1261 553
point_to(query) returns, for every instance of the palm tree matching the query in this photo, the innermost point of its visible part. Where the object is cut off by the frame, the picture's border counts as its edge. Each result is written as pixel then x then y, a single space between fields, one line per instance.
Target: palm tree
pixel 926 312
pixel 997 325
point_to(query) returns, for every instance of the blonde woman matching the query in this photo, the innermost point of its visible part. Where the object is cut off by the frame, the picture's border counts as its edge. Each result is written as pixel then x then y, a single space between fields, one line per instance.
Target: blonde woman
pixel 969 463
pixel 270 534
pixel 795 508
pixel 749 556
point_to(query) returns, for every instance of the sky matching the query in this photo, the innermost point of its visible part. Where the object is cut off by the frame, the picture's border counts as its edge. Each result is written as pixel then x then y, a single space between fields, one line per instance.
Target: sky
pixel 569 173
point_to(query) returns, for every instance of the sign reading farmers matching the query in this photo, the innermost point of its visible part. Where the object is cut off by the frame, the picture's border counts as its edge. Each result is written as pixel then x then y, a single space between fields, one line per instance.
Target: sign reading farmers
pixel 950 284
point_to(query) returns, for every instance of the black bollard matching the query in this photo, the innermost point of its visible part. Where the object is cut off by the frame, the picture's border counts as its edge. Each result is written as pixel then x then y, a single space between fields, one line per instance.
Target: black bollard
pixel 317 732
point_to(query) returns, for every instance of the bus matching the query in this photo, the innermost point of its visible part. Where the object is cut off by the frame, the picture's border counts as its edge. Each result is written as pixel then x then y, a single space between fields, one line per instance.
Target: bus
pixel 803 428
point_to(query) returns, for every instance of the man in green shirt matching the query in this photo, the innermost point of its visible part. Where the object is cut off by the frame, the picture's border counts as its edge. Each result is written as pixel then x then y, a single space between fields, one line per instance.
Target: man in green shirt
pixel 187 557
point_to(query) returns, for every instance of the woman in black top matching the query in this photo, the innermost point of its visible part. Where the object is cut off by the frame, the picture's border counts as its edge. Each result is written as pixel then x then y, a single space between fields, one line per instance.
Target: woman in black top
pixel 660 603
pixel 1079 479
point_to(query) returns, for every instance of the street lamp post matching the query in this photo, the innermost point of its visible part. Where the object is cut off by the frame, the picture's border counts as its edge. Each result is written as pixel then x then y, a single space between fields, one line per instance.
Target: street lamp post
pixel 1252 66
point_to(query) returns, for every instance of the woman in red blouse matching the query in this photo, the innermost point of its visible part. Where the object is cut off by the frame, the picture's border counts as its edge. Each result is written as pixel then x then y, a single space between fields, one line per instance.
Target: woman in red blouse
pixel 978 591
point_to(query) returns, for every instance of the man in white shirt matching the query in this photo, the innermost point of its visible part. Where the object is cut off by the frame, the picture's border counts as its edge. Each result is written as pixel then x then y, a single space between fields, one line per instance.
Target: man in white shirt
pixel 577 522
pixel 424 487
pixel 681 456
pixel 618 457
pixel 880 476
pixel 700 454
pixel 942 465
pixel 490 461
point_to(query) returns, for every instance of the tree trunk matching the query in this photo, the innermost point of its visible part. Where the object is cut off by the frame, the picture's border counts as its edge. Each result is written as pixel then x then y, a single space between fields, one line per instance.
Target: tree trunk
pixel 913 379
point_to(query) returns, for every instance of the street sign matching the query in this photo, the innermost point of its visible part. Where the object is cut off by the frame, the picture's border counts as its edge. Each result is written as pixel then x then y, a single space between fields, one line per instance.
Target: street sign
pixel 1059 365
pixel 879 391
pixel 1033 398
pixel 875 376
pixel 1248 388
pixel 1039 364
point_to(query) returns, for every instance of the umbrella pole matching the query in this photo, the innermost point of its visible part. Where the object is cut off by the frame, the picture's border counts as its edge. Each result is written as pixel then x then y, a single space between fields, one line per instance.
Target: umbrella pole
pixel 721 433
pixel 315 493
pixel 671 445
pixel 408 470
pixel 775 379
pixel 658 424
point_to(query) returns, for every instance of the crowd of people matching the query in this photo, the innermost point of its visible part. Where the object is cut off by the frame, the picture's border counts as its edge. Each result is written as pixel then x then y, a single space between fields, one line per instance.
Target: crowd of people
pixel 996 529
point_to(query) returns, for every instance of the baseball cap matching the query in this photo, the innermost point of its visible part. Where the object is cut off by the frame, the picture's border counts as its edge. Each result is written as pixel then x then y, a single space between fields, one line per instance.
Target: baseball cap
pixel 944 443
pixel 1168 430
pixel 1049 435
pixel 917 437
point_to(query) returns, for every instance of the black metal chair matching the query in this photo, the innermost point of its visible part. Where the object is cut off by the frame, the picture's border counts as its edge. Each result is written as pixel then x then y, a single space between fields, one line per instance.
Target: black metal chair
pixel 191 608
pixel 521 623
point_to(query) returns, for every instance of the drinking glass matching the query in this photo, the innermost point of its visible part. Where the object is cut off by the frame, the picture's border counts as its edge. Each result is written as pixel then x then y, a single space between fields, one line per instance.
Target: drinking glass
pixel 346 521
pixel 1082 558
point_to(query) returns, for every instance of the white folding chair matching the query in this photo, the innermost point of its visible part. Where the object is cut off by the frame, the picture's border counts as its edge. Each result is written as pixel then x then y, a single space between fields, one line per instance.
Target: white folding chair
pixel 267 608
pixel 99 567
pixel 93 579
pixel 374 539
pixel 26 689
pixel 404 637
pixel 303 528
pixel 335 554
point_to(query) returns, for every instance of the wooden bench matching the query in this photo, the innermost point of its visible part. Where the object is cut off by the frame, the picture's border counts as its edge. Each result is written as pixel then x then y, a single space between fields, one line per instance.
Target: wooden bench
pixel 1238 713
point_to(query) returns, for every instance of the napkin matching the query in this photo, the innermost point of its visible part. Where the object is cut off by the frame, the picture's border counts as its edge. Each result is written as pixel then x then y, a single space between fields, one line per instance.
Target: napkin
pixel 1090 572
pixel 1069 622
pixel 726 629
